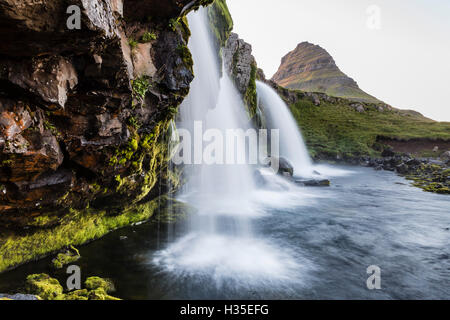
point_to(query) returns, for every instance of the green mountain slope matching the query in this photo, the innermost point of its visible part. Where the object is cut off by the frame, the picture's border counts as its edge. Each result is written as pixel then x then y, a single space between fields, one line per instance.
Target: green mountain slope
pixel 340 128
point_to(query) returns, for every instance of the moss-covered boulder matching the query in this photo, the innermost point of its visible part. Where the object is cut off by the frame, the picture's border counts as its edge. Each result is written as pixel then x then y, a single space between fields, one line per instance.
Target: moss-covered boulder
pixel 430 177
pixel 100 294
pixel 43 286
pixel 94 283
pixel 84 295
pixel 67 257
pixel 47 288
pixel 79 295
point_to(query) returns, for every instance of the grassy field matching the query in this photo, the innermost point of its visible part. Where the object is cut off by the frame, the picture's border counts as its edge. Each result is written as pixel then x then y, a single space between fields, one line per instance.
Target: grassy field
pixel 338 129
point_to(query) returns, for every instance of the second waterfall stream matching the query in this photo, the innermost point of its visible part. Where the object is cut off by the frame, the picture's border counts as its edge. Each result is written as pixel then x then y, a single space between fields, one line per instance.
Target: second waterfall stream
pixel 292 146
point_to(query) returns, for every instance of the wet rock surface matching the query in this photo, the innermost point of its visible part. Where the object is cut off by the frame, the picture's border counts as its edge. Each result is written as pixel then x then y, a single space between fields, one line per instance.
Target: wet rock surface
pixel 241 66
pixel 313 183
pixel 85 114
pixel 238 61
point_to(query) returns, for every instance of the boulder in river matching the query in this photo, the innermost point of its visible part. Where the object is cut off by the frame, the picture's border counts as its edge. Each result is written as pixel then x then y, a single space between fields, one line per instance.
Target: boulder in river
pixel 314 183
pixel 285 167
pixel 402 168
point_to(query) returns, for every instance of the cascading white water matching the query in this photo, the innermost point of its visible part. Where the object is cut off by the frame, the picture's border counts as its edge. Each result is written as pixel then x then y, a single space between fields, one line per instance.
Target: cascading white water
pixel 215 102
pixel 278 116
pixel 206 84
pixel 220 242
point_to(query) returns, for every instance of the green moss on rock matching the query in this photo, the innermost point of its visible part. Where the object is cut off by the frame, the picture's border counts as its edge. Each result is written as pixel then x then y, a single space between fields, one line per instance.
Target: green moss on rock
pixel 48 288
pixel 251 96
pixel 221 21
pixel 185 54
pixel 100 294
pixel 94 283
pixel 431 178
pixel 44 286
pixel 67 257
pixel 85 225
pixel 148 36
pixel 76 227
pixel 140 87
pixel 79 295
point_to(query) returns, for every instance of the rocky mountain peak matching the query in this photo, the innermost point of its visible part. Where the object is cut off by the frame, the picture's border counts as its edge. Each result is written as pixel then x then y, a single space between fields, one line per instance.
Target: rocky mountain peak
pixel 311 68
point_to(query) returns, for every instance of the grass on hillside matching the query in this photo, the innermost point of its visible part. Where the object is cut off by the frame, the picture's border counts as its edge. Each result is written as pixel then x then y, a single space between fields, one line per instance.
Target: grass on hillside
pixel 332 130
pixel 328 81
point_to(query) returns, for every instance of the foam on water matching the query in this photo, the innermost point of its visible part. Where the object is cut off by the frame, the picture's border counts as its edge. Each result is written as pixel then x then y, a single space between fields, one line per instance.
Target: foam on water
pixel 252 260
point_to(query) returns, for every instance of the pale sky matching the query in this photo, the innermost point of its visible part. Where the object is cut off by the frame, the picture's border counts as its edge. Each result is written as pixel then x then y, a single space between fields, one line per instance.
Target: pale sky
pixel 406 62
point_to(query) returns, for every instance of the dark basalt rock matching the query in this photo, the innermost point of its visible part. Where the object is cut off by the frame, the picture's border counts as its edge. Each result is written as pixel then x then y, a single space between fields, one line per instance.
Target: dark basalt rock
pixel 85 114
pixel 157 9
pixel 285 168
pixel 238 61
pixel 388 153
pixel 314 183
pixel 241 65
pixel 49 79
pixel 402 168
pixel 34 28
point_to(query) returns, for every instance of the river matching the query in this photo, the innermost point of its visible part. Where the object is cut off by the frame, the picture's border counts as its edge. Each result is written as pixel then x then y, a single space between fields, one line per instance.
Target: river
pixel 309 243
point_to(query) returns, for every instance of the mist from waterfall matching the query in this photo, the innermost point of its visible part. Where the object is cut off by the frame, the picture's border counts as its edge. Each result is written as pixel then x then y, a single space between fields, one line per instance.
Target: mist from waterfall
pixel 278 116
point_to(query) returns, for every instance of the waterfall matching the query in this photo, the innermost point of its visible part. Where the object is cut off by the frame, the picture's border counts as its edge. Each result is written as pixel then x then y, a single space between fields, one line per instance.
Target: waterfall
pixel 292 146
pixel 214 101
pixel 220 241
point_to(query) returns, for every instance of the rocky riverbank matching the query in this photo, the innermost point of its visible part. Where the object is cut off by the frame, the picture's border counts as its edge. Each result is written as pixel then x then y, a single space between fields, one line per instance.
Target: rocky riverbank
pixel 430 174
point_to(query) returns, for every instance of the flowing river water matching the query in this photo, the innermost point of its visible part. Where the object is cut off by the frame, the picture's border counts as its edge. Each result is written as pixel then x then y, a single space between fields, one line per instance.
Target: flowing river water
pixel 314 243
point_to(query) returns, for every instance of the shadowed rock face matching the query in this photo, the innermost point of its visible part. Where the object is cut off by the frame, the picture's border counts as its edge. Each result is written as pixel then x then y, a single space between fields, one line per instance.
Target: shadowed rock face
pixel 241 65
pixel 238 61
pixel 311 68
pixel 84 115
pixel 31 27
pixel 159 9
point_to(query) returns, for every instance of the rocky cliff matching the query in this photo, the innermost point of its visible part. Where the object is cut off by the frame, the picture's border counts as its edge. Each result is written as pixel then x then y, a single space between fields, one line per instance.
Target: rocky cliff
pixel 85 117
pixel 241 66
pixel 311 68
